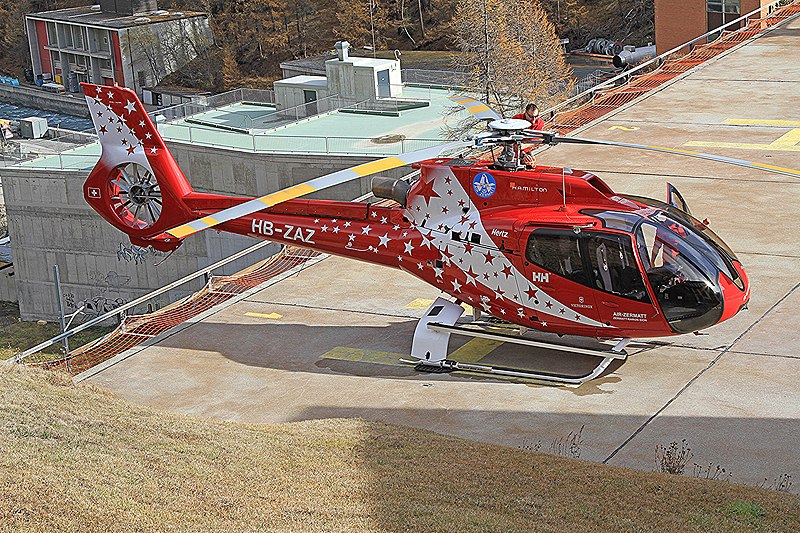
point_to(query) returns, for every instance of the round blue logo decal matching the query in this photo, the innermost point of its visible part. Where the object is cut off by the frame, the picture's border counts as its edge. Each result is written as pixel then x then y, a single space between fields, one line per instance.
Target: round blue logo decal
pixel 484 185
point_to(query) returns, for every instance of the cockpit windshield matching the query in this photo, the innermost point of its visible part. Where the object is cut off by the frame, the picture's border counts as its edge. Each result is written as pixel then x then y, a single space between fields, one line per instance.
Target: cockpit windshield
pixel 682 260
pixel 684 280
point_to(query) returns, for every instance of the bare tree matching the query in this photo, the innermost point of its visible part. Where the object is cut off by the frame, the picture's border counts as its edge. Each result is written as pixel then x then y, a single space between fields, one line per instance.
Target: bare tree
pixel 511 54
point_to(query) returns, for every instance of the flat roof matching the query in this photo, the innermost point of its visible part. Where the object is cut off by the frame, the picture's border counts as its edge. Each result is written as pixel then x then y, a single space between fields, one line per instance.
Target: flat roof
pixel 87 16
pixel 334 133
pixel 316 81
pixel 364 61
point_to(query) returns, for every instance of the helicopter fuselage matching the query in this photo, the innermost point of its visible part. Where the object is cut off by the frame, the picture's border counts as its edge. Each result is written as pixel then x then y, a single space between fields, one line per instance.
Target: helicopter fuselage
pixel 548 248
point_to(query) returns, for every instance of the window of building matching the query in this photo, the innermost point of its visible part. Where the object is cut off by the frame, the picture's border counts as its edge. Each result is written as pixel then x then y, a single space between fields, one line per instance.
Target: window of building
pixel 723 6
pixel 721 12
pixel 77 37
pixel 52 38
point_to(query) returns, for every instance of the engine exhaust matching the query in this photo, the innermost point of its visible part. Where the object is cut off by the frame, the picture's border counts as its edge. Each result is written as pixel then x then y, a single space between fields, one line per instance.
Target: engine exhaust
pixel 390 189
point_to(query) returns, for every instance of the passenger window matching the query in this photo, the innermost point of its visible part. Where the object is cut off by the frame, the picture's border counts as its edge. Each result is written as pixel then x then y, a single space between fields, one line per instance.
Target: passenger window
pixel 614 267
pixel 558 252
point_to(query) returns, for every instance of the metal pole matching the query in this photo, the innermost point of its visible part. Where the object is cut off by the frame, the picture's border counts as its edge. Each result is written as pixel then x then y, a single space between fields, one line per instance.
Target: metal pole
pixel 61 318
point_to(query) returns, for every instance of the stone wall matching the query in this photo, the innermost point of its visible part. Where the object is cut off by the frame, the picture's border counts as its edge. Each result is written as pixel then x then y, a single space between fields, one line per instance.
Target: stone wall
pixel 38 99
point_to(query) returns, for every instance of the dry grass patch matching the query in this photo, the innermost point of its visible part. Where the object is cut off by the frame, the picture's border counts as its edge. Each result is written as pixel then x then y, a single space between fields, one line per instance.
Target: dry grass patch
pixel 73 456
pixel 17 336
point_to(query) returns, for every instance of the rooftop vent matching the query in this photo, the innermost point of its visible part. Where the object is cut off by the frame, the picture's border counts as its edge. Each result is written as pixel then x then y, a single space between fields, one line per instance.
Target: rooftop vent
pixel 342 50
pixel 129 7
pixel 141 20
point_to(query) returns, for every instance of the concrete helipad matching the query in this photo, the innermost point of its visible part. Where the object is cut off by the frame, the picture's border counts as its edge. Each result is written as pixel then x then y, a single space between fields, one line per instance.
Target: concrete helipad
pixel 325 342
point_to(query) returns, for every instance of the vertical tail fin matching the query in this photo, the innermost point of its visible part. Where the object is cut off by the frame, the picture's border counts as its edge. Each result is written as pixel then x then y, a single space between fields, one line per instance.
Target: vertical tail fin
pixel 136 185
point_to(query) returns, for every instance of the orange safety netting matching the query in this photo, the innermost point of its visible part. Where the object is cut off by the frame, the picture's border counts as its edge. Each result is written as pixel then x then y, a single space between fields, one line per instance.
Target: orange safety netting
pixel 606 101
pixel 135 330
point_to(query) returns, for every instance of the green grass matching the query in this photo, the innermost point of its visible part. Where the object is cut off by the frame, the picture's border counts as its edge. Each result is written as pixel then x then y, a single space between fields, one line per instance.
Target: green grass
pixel 17 336
pixel 75 458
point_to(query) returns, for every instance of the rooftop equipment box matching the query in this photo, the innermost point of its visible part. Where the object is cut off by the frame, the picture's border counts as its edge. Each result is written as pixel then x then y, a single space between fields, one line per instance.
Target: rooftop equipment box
pixel 33 127
pixel 128 7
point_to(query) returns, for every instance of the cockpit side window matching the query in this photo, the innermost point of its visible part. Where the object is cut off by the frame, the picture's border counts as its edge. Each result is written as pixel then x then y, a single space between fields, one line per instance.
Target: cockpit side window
pixel 614 267
pixel 558 252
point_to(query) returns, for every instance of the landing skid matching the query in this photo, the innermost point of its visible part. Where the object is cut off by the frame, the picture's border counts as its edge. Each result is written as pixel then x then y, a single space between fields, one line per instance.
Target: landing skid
pixel 432 336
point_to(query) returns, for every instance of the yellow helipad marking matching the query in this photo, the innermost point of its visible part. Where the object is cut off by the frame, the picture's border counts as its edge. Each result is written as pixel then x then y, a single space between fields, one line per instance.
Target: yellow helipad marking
pixel 419 303
pixel 343 353
pixel 422 303
pixel 271 316
pixel 762 122
pixel 787 142
pixel 474 350
pixel 623 128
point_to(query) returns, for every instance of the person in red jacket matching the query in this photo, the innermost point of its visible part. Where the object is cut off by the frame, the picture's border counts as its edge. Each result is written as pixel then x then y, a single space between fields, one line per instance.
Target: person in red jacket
pixel 531 114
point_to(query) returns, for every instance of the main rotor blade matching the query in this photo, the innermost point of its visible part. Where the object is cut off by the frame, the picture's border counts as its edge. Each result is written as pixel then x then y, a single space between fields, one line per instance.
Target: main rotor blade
pixel 555 139
pixel 317 184
pixel 476 107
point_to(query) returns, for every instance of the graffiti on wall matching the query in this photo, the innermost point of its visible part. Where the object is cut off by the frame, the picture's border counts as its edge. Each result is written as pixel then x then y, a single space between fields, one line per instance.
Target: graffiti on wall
pixel 106 298
pixel 136 254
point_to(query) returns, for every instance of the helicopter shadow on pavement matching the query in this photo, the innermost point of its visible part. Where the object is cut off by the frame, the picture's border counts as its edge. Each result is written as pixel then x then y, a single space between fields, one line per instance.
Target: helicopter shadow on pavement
pixel 376 350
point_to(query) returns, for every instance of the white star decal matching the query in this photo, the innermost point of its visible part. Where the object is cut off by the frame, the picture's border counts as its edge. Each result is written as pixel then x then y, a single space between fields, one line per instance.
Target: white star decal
pixel 336 229
pixel 130 107
pixel 316 221
pixel 396 227
pixel 324 229
pixel 374 214
pixel 409 247
pixel 365 230
pixel 438 272
pixel 148 135
pixel 141 123
pixel 352 238
pixel 384 240
pixel 456 285
pixel 346 223
pixel 420 266
pixel 383 220
pixel 154 150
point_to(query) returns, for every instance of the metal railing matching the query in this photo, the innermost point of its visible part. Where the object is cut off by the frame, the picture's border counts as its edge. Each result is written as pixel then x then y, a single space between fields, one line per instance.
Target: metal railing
pixel 120 311
pixel 627 76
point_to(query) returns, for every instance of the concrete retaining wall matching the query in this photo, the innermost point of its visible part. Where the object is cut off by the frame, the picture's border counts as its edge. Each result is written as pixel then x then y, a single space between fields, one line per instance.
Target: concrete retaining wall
pixel 50 223
pixel 37 99
pixel 8 285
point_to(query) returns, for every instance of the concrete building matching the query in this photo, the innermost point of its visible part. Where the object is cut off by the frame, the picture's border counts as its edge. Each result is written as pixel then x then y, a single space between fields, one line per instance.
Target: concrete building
pixel 680 22
pixel 128 42
pixel 354 78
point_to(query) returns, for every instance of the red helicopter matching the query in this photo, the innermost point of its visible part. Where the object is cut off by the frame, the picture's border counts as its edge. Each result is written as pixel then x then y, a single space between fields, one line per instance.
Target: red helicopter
pixel 552 249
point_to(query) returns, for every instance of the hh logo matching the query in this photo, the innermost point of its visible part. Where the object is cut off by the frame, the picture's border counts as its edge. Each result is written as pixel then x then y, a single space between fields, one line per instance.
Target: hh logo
pixel 94 192
pixel 540 277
